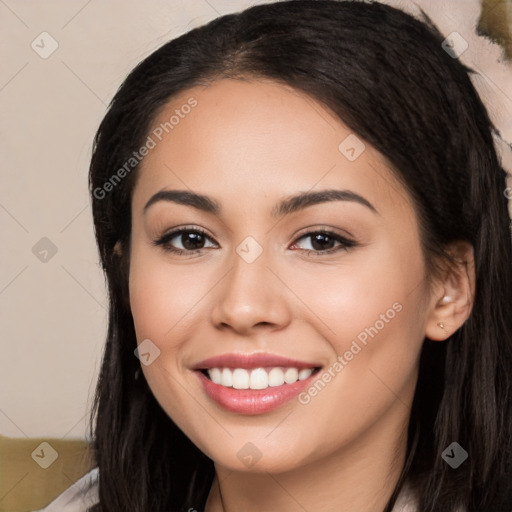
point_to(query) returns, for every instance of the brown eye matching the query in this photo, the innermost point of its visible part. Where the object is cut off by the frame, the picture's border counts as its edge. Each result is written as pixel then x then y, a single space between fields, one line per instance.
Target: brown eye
pixel 191 240
pixel 323 242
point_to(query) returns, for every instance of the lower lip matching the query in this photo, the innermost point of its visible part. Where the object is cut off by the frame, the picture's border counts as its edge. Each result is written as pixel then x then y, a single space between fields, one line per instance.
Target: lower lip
pixel 253 401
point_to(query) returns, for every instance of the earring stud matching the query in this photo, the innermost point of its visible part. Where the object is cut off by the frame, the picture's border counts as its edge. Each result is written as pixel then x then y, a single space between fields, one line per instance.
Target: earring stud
pixel 440 324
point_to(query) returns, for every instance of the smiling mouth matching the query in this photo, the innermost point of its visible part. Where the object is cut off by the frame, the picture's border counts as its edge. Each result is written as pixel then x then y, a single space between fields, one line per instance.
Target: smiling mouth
pixel 257 378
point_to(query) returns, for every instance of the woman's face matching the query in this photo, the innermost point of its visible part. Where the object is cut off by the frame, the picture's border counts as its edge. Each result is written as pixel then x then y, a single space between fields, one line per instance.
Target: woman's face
pixel 252 301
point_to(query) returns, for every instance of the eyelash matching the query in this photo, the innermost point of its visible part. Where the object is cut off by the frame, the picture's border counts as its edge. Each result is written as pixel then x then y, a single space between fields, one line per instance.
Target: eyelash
pixel 163 242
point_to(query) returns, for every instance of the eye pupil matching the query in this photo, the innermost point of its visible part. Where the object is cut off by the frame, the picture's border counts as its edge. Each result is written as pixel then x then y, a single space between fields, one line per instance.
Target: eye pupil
pixel 322 240
pixel 196 238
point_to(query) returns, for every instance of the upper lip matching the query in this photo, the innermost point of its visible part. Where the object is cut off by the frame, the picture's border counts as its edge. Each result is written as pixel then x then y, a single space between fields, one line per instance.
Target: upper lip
pixel 249 361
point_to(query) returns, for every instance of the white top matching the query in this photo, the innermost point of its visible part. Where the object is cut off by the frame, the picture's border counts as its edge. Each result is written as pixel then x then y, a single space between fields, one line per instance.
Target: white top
pixel 84 494
pixel 79 497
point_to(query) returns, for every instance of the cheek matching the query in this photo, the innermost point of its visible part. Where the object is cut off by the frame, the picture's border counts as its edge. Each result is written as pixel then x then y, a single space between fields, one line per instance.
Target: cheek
pixel 160 297
pixel 365 295
pixel 372 319
pixel 162 301
pixel 370 313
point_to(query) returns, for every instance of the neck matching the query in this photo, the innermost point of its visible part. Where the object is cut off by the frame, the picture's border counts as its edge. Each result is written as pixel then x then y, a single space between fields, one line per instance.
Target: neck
pixel 356 478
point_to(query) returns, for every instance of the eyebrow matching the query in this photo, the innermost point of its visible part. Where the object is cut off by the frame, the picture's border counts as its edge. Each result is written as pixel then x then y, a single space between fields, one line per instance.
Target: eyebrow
pixel 287 206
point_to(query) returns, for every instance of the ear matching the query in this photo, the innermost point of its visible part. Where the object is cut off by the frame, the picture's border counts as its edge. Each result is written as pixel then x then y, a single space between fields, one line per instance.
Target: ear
pixel 452 296
pixel 118 250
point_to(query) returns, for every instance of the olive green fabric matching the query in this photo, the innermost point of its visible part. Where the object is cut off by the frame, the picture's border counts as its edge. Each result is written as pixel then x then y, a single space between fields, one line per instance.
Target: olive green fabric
pixel 24 483
pixel 496 23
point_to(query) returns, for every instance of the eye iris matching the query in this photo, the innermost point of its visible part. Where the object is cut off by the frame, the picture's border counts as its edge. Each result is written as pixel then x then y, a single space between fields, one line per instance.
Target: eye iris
pixel 322 241
pixel 195 238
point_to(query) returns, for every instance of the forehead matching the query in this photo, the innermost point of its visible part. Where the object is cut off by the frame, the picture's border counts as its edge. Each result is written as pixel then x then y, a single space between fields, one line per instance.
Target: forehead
pixel 258 139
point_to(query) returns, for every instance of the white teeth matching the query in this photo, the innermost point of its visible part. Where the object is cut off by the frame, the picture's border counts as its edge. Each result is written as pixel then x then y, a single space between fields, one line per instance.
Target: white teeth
pixel 226 378
pixel 276 377
pixel 258 378
pixel 305 373
pixel 240 379
pixel 291 375
pixel 216 375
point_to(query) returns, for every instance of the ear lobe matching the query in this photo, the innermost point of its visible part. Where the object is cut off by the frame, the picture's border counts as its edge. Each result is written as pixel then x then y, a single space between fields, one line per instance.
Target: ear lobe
pixel 453 295
pixel 117 251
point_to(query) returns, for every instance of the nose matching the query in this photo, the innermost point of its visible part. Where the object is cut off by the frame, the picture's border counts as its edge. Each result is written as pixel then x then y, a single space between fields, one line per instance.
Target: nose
pixel 251 298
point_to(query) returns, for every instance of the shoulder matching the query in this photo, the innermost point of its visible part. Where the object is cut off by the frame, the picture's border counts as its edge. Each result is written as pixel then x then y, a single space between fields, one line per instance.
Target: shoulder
pixel 79 497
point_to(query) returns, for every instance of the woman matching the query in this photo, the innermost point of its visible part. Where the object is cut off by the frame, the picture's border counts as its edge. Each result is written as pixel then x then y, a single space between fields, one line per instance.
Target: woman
pixel 301 216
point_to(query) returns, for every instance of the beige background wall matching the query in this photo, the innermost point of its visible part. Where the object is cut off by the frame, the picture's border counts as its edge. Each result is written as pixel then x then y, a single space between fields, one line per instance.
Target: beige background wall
pixel 52 304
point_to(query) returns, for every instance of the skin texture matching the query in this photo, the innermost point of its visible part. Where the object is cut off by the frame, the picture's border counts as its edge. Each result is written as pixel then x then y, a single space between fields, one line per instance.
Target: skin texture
pixel 249 144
